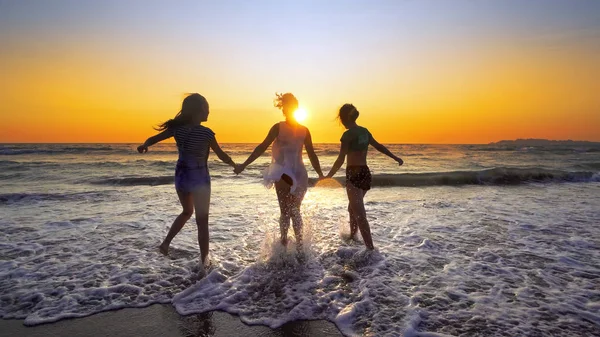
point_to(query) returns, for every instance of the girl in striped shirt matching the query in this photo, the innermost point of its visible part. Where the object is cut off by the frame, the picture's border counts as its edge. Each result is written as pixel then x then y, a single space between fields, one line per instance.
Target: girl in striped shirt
pixel 192 180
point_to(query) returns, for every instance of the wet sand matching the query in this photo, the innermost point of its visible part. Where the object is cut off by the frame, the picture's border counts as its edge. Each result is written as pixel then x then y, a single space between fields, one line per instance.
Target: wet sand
pixel 162 320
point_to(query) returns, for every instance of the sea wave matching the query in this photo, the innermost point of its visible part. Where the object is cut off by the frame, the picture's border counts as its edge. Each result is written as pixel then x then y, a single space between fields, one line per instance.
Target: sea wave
pixel 145 181
pixel 53 150
pixel 594 165
pixel 495 176
pixel 534 149
pixel 9 198
pixel 136 181
pixel 8 165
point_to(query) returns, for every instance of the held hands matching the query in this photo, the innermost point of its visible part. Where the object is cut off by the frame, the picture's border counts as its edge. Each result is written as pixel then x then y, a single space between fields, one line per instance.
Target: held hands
pixel 142 148
pixel 239 168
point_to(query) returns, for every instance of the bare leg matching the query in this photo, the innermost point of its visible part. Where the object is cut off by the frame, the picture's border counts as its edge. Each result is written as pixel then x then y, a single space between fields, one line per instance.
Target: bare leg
pixel 201 197
pixel 356 203
pixel 283 195
pixel 353 223
pixel 294 203
pixel 188 209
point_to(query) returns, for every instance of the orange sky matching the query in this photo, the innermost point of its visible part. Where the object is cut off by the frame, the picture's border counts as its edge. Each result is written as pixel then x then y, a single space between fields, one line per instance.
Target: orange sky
pixel 440 79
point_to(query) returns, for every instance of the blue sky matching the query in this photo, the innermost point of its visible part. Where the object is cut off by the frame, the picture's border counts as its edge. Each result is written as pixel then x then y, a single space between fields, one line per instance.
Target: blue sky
pixel 387 56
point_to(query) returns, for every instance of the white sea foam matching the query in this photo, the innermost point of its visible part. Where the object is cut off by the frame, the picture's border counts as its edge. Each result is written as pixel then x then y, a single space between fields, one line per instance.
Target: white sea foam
pixel 488 260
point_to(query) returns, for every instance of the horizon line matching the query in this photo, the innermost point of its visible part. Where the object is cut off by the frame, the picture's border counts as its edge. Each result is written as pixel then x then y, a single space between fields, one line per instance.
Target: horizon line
pixel 327 143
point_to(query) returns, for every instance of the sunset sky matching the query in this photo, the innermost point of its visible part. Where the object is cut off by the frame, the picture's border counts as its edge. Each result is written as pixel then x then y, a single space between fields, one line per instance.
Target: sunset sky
pixel 418 71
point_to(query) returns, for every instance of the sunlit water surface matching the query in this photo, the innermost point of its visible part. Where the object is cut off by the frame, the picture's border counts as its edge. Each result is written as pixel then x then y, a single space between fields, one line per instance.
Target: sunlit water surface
pixel 470 240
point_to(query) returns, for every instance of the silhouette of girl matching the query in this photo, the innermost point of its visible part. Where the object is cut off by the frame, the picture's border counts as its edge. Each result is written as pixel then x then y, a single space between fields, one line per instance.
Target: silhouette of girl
pixel 355 143
pixel 192 180
pixel 287 171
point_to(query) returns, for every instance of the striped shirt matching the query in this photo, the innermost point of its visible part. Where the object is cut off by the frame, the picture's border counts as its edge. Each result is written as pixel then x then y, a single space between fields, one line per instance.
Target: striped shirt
pixel 193 140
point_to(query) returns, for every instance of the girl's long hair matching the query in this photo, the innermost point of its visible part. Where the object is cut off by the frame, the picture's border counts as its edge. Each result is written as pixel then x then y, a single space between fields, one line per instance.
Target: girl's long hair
pixel 192 104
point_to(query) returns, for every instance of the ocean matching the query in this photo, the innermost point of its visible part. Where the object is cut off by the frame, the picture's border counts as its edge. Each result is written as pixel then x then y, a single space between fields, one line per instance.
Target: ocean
pixel 488 240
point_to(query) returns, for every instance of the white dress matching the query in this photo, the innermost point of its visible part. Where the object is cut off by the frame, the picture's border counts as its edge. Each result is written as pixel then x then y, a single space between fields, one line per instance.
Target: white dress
pixel 287 159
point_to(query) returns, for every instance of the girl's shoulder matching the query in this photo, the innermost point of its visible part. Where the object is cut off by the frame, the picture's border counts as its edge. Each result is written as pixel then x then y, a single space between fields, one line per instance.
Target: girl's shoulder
pixel 202 127
pixel 206 130
pixel 347 135
pixel 195 130
pixel 294 127
pixel 362 128
pixel 301 130
pixel 354 132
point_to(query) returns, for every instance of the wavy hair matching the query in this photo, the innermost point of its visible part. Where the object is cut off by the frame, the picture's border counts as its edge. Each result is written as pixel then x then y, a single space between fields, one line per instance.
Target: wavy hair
pixel 191 104
pixel 282 101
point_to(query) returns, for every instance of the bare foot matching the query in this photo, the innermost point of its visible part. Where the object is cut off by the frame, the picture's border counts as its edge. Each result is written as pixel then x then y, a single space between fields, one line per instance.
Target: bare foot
pixel 207 263
pixel 348 237
pixel 164 249
pixel 204 267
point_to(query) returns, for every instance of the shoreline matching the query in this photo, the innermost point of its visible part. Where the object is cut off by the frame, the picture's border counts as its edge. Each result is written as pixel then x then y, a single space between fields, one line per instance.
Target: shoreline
pixel 162 320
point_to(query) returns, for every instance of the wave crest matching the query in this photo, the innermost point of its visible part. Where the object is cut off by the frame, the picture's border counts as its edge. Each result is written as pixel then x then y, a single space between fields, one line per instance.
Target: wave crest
pixel 136 181
pixel 495 176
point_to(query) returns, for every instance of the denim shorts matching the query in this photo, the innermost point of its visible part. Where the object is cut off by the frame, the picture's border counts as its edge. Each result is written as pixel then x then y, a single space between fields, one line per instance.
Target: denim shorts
pixel 189 175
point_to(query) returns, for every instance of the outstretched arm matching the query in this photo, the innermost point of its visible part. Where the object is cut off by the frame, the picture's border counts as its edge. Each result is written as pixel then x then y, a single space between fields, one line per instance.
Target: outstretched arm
pixel 340 160
pixel 260 149
pixel 384 150
pixel 314 160
pixel 154 139
pixel 214 145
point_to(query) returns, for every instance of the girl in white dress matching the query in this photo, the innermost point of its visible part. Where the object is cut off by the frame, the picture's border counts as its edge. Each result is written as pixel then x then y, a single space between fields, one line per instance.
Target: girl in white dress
pixel 287 171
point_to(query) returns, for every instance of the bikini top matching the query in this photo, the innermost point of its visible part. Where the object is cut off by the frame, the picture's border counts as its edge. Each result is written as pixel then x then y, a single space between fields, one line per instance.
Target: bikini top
pixel 358 138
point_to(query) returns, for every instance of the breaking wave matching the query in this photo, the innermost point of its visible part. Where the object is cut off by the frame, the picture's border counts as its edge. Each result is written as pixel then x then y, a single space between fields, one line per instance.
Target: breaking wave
pixel 495 176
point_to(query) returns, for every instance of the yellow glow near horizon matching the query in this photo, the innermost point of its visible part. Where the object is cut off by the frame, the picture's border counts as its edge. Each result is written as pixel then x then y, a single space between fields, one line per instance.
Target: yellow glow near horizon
pixel 447 84
pixel 300 114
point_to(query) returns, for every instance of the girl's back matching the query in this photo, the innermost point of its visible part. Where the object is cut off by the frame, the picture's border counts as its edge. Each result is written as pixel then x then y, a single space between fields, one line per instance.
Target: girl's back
pixel 287 147
pixel 286 161
pixel 193 141
pixel 358 139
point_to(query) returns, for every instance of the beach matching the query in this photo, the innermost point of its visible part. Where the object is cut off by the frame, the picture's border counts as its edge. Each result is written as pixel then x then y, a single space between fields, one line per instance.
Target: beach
pixel 470 239
pixel 162 320
pixel 152 158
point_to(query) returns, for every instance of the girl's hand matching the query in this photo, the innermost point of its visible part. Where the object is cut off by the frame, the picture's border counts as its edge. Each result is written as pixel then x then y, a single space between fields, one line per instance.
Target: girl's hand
pixel 400 161
pixel 142 148
pixel 238 169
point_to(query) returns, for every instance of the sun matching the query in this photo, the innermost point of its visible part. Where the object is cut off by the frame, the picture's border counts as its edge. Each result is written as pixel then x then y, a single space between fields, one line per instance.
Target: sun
pixel 300 114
